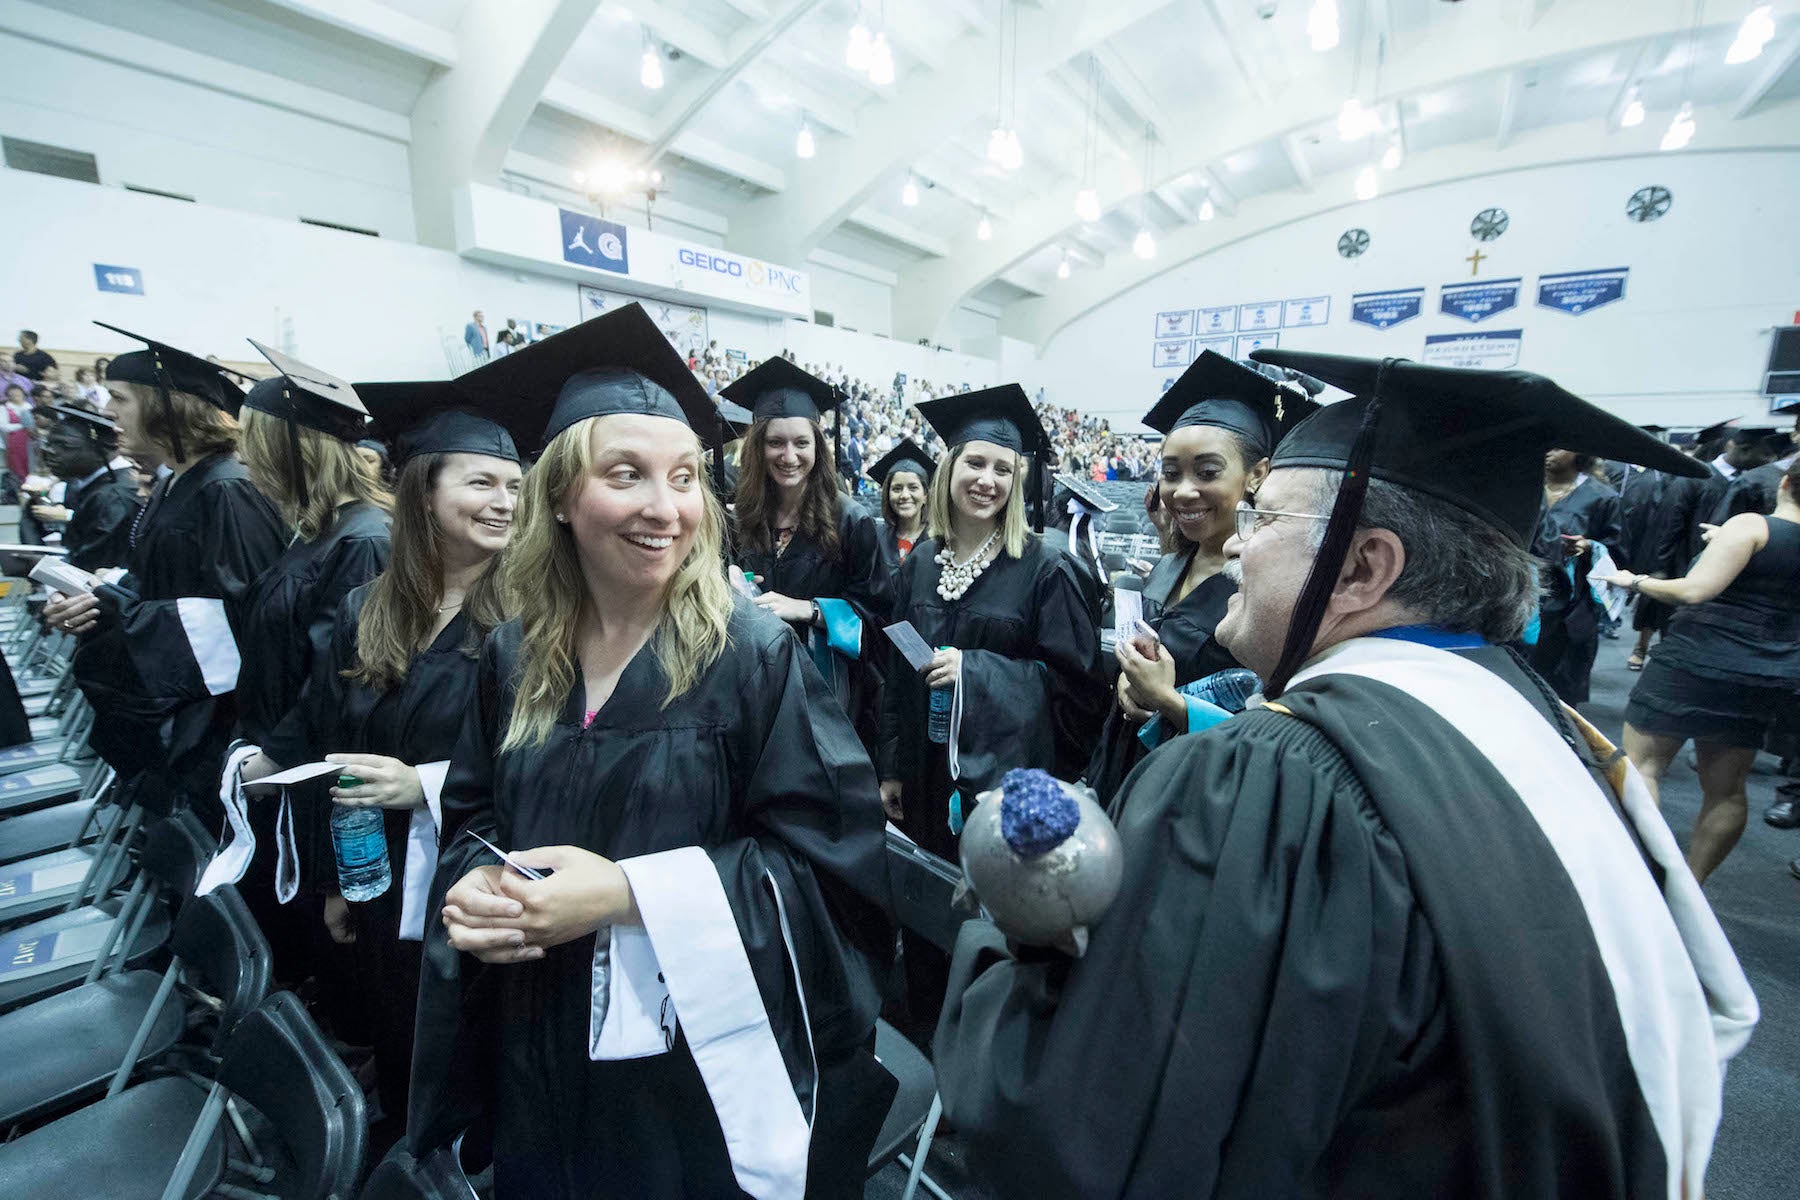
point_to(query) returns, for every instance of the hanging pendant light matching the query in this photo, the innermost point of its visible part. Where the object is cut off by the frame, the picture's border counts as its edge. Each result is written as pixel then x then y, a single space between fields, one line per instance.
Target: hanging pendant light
pixel 1633 113
pixel 1207 211
pixel 1144 244
pixel 1757 31
pixel 1087 205
pixel 881 60
pixel 1681 129
pixel 1322 25
pixel 909 194
pixel 857 53
pixel 804 144
pixel 1392 157
pixel 1062 268
pixel 1367 184
pixel 984 230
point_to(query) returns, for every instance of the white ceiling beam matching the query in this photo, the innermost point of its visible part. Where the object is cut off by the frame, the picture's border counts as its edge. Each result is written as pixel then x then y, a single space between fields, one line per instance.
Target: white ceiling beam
pixel 1525 13
pixel 1637 61
pixel 754 9
pixel 47 26
pixel 1081 252
pixel 853 266
pixel 1512 94
pixel 596 109
pixel 1573 142
pixel 894 230
pixel 826 111
pixel 1767 73
pixel 381 24
pixel 1026 282
pixel 1171 200
pixel 972 14
pixel 1296 157
pixel 1223 198
pixel 1246 65
pixel 742 50
pixel 1115 72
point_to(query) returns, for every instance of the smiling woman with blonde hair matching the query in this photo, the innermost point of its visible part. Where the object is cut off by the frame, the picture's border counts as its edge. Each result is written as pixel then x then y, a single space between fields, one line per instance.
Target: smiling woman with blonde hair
pixel 682 1004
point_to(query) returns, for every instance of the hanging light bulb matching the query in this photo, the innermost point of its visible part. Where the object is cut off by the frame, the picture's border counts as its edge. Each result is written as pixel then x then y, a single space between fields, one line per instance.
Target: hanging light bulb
pixel 1143 245
pixel 1015 151
pixel 1062 268
pixel 857 53
pixel 1367 184
pixel 1353 120
pixel 1681 129
pixel 881 61
pixel 1322 24
pixel 1392 157
pixel 804 145
pixel 1633 113
pixel 1087 205
pixel 1206 209
pixel 909 194
pixel 985 230
pixel 1757 31
pixel 650 73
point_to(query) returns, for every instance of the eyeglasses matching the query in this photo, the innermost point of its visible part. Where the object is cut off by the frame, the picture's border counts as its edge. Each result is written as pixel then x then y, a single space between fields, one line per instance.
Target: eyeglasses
pixel 1249 519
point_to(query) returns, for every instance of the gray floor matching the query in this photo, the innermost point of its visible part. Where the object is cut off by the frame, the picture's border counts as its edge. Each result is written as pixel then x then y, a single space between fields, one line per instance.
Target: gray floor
pixel 1757 1156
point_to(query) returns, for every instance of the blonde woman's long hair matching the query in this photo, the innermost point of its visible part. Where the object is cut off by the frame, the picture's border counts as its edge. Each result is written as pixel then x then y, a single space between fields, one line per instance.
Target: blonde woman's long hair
pixel 332 470
pixel 1012 521
pixel 544 578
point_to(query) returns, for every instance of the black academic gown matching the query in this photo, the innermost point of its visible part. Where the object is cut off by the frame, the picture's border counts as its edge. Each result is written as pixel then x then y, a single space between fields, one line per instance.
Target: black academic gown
pixel 1186 629
pixel 1749 491
pixel 1090 572
pixel 857 574
pixel 98 533
pixel 1568 615
pixel 1034 693
pixel 417 722
pixel 205 536
pixel 889 539
pixel 1302 989
pixel 1646 513
pixel 756 765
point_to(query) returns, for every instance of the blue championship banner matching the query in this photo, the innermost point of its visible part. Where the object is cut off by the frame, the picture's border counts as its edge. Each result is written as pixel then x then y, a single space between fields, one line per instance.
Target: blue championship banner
pixel 1479 301
pixel 589 241
pixel 1173 354
pixel 1177 324
pixel 1216 320
pixel 1491 351
pixel 1576 292
pixel 1381 310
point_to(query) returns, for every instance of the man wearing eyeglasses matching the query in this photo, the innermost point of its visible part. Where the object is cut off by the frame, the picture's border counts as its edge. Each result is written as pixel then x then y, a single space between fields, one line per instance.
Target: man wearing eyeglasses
pixel 1408 928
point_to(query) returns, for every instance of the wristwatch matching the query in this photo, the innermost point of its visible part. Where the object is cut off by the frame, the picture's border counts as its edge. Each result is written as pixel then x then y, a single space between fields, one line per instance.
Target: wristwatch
pixel 818 615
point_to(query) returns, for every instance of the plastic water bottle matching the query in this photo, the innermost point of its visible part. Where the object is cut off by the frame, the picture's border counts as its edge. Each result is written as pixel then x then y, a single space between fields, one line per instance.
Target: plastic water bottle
pixel 937 724
pixel 1229 689
pixel 743 582
pixel 358 836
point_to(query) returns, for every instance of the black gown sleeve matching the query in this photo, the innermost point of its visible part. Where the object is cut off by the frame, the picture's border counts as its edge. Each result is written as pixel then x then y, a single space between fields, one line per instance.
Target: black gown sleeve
pixel 887 748
pixel 1236 998
pixel 304 735
pixel 92 537
pixel 868 583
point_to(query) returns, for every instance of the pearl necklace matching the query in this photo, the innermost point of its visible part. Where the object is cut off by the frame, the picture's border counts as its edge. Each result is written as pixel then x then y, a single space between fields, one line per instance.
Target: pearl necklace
pixel 955 578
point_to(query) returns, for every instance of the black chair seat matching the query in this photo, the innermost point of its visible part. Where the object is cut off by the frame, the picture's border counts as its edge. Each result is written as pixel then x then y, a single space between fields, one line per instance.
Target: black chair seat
pixel 121 1148
pixel 22 791
pixel 36 886
pixel 53 954
pixel 34 833
pixel 67 1045
pixel 37 753
pixel 912 1101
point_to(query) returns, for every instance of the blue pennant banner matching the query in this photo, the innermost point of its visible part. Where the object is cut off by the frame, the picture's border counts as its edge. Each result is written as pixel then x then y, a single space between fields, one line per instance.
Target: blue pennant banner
pixel 1479 301
pixel 1217 320
pixel 1494 350
pixel 1576 292
pixel 1173 354
pixel 1384 309
pixel 590 241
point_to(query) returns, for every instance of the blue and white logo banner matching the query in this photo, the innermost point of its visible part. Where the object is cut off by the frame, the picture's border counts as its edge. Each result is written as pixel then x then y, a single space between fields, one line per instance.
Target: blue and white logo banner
pixel 1495 350
pixel 109 278
pixel 1577 292
pixel 1173 354
pixel 1178 324
pixel 1218 345
pixel 1383 309
pixel 589 241
pixel 1256 341
pixel 1217 320
pixel 1479 301
pixel 1311 310
pixel 1252 317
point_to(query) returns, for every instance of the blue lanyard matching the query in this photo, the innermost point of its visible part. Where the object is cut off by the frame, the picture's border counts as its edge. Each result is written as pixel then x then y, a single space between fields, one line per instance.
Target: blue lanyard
pixel 1433 635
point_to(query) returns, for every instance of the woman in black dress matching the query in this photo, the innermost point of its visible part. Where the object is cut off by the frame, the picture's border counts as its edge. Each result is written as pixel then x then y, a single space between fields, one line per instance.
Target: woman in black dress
pixel 815 553
pixel 1581 514
pixel 1725 667
pixel 387 702
pixel 1220 422
pixel 684 1007
pixel 904 476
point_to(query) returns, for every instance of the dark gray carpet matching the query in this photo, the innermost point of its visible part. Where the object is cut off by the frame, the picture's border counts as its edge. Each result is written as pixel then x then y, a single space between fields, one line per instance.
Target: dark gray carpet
pixel 1757 1156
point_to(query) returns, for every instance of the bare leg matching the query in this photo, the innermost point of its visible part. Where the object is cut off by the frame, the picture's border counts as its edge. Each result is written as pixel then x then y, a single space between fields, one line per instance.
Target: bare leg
pixel 1723 771
pixel 1651 754
pixel 1642 650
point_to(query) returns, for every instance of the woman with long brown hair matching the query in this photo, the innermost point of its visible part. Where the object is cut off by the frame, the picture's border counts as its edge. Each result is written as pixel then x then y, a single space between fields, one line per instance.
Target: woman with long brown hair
pixel 815 553
pixel 682 1005
pixel 904 476
pixel 386 702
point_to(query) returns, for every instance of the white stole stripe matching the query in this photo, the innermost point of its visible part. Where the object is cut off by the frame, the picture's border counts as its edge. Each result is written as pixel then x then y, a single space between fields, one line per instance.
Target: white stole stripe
pixel 422 851
pixel 210 638
pixel 627 1014
pixel 1682 998
pixel 710 983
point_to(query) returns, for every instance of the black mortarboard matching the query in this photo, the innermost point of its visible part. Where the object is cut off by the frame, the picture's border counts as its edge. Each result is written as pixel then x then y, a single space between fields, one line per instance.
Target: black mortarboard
pixel 1246 400
pixel 1653 430
pixel 777 388
pixel 305 395
pixel 168 369
pixel 1473 439
pixel 437 417
pixel 1085 493
pixel 374 446
pixel 1749 433
pixel 618 362
pixel 1712 433
pixel 90 425
pixel 456 431
pixel 1001 415
pixel 907 455
pixel 736 418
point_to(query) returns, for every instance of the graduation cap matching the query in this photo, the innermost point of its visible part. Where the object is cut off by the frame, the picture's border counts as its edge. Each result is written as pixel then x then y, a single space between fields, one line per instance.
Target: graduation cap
pixel 437 417
pixel 618 362
pixel 736 417
pixel 1084 493
pixel 90 425
pixel 1654 430
pixel 1002 415
pixel 778 388
pixel 1472 439
pixel 1247 400
pixel 170 370
pixel 907 455
pixel 304 395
